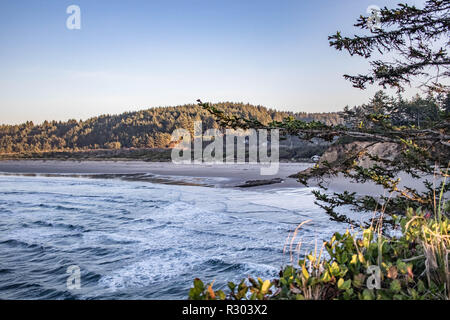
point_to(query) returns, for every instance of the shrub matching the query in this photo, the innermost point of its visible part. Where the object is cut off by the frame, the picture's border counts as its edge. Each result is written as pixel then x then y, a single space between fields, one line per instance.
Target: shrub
pixel 414 265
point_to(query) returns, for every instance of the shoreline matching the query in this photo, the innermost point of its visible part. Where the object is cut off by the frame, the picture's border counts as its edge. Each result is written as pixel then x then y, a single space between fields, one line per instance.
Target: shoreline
pixel 221 175
pixel 208 175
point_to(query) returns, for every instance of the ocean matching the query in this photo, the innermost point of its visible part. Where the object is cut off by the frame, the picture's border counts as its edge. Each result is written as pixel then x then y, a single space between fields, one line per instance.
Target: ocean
pixel 142 240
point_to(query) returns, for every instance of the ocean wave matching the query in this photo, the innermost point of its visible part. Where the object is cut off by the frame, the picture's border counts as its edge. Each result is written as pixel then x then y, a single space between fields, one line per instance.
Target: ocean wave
pixel 138 240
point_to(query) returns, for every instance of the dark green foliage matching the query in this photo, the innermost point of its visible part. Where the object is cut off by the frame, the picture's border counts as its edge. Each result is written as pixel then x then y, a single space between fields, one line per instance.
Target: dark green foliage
pixel 145 154
pixel 414 134
pixel 416 131
pixel 149 128
pixel 418 37
pixel 412 266
pixel 418 112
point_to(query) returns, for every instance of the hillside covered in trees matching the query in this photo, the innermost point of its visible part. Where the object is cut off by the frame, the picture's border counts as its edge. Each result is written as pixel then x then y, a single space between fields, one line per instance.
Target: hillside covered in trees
pixel 149 128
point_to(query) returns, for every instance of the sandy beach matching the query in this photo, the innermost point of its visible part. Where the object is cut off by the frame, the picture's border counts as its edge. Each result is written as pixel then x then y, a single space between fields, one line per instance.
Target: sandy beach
pixel 211 175
pixel 217 175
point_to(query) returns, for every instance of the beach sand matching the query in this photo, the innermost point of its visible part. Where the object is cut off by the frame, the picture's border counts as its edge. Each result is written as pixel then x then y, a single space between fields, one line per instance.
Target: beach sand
pixel 212 175
pixel 217 175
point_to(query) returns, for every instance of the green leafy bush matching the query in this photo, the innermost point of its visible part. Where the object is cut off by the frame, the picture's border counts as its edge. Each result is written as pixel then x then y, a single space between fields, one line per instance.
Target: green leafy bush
pixel 414 265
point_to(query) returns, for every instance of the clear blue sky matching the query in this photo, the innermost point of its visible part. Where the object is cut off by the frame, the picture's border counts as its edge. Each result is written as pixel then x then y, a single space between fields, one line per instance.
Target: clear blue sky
pixel 134 54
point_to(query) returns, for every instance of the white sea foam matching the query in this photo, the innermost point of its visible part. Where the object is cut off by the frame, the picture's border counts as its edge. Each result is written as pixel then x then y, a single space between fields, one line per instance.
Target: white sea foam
pixel 134 235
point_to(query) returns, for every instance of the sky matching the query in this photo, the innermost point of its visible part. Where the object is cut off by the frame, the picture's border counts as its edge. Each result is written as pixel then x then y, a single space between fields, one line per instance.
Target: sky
pixel 135 54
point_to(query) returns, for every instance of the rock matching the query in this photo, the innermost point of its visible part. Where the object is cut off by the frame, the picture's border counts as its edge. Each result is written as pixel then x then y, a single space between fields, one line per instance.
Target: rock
pixel 341 151
pixel 255 183
pixel 337 153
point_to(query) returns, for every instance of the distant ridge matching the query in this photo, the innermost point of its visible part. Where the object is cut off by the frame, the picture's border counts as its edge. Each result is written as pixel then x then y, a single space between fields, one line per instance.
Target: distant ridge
pixel 150 128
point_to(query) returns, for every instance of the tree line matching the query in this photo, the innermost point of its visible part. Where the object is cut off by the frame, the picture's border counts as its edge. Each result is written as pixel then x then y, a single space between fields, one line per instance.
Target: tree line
pixel 150 128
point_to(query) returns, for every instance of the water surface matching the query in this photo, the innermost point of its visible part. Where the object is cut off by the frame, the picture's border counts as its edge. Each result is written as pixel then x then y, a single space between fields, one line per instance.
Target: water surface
pixel 139 240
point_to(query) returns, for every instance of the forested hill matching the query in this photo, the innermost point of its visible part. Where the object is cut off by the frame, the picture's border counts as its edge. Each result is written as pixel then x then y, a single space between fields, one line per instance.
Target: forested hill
pixel 149 128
